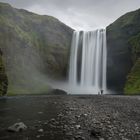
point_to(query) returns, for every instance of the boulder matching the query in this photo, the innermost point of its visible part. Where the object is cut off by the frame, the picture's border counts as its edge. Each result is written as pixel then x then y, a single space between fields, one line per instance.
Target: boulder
pixel 17 127
pixel 58 92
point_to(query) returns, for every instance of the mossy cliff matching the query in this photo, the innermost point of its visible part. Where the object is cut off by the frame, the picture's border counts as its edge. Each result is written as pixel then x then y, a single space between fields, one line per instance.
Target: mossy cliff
pixel 122 62
pixel 37 47
pixel 132 85
pixel 3 77
pixel 34 48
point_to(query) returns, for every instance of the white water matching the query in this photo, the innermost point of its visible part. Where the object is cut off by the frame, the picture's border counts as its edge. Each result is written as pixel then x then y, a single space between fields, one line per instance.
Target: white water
pixel 87 68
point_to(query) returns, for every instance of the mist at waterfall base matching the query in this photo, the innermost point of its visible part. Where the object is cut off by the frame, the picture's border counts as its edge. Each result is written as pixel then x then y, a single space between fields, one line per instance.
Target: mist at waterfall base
pixel 25 70
pixel 87 65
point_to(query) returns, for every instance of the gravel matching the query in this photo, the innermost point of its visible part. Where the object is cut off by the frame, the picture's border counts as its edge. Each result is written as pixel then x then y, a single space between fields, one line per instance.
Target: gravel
pixel 67 117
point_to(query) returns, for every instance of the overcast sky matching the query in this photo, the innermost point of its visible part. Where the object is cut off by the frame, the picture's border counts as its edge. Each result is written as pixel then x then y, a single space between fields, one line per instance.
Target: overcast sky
pixel 79 14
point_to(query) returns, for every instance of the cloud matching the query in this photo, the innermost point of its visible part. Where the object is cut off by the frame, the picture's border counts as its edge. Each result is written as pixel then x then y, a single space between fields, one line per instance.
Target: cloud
pixel 79 14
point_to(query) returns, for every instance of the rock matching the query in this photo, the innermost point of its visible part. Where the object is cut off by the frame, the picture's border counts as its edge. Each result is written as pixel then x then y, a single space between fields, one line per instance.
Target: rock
pixel 38 136
pixel 46 123
pixel 84 115
pixel 69 134
pixel 60 115
pixel 52 120
pixel 80 132
pixel 72 122
pixel 39 122
pixel 101 139
pixel 41 130
pixel 17 127
pixel 58 92
pixel 124 138
pixel 95 133
pixel 72 109
pixel 40 112
pixel 3 77
pixel 79 138
pixel 36 126
pixel 77 126
pixel 77 116
pixel 52 126
pixel 65 126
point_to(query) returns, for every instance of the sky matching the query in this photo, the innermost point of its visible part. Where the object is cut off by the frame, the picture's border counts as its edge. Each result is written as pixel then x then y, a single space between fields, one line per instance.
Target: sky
pixel 79 14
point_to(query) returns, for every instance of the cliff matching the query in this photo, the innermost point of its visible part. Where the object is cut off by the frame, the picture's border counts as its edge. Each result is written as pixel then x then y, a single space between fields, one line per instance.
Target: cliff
pixel 34 48
pixel 37 47
pixel 3 77
pixel 120 50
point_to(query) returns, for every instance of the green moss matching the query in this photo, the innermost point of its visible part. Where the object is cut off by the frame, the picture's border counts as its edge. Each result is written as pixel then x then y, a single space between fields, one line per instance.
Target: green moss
pixel 12 91
pixel 132 86
pixel 3 78
pixel 135 46
pixel 33 47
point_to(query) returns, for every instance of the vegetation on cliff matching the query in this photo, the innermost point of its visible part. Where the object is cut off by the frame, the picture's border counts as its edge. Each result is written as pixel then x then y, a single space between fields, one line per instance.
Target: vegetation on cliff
pixel 120 51
pixel 3 77
pixel 34 47
pixel 132 85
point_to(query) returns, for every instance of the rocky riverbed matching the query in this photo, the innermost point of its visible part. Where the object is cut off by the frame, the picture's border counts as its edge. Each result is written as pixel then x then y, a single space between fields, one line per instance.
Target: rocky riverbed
pixel 66 117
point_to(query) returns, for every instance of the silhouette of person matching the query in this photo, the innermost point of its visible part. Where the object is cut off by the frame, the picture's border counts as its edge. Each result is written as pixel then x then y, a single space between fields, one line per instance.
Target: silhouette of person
pixel 102 91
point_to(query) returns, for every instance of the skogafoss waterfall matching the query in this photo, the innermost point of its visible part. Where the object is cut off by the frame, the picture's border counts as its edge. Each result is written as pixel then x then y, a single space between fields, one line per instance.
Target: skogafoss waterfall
pixel 88 59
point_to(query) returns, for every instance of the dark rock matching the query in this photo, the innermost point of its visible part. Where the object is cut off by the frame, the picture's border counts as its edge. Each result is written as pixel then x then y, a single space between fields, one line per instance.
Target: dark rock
pixel 95 133
pixel 3 77
pixel 119 50
pixel 84 115
pixel 58 92
pixel 52 120
pixel 79 138
pixel 69 134
pixel 78 126
pixel 77 116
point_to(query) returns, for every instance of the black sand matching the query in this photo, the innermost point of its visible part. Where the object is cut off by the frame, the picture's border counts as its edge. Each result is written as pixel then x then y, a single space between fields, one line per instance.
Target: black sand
pixel 105 117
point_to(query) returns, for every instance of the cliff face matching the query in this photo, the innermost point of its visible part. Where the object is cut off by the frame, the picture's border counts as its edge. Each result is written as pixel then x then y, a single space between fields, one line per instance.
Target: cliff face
pixel 120 51
pixel 34 47
pixel 37 47
pixel 3 77
pixel 132 85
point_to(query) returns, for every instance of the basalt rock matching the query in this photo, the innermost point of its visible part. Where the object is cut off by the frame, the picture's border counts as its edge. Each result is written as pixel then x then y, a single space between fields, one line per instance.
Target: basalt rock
pixel 3 77
pixel 120 51
pixel 58 92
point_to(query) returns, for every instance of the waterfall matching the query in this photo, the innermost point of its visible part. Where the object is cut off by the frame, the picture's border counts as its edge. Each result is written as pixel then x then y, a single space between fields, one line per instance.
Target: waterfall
pixel 88 58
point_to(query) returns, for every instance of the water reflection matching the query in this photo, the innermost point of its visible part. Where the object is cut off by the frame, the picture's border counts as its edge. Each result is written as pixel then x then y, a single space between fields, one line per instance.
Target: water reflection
pixel 37 112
